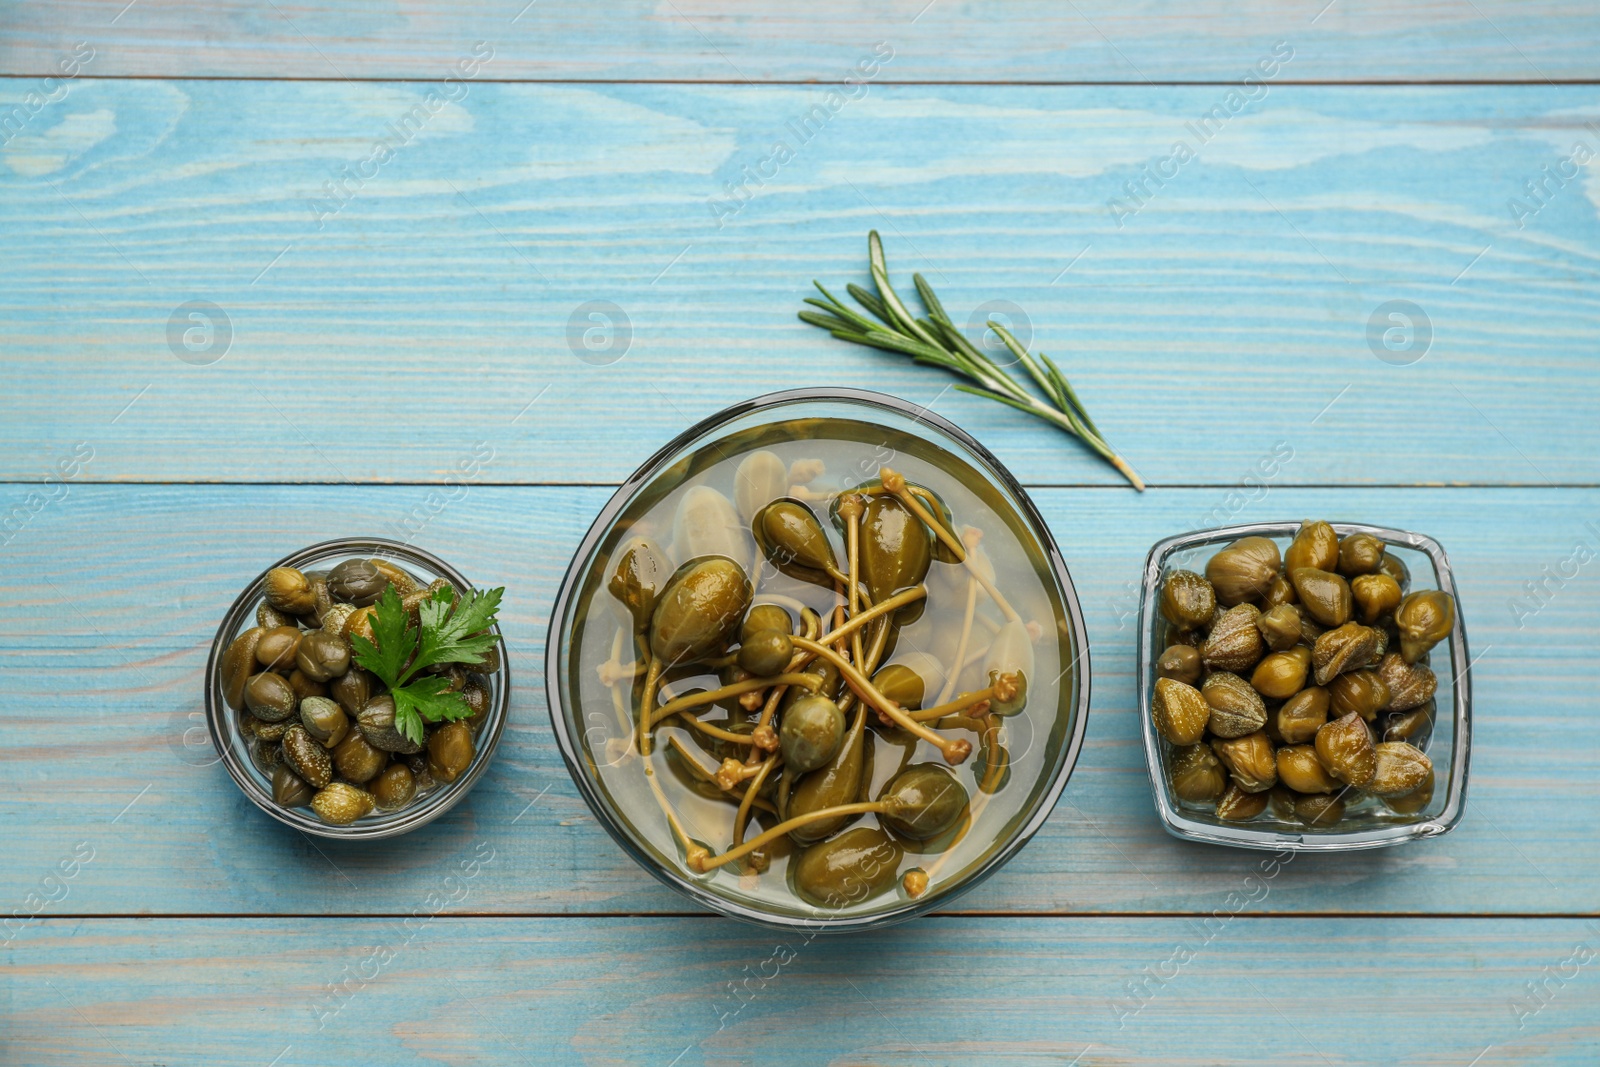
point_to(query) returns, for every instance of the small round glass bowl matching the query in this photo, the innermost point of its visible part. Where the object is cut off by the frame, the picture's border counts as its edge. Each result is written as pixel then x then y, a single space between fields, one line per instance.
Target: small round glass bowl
pixel 921 440
pixel 1369 824
pixel 234 747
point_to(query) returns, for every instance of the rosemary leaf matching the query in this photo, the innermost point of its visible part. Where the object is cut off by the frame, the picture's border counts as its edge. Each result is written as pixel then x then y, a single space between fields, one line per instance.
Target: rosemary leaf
pixel 935 340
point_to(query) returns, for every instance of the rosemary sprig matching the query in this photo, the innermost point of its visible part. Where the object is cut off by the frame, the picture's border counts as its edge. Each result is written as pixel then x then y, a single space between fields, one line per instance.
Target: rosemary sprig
pixel 935 340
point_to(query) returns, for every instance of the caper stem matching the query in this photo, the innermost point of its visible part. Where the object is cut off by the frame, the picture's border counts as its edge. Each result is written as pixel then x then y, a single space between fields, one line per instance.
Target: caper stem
pixel 961 646
pixel 880 638
pixel 997 759
pixel 715 731
pixel 623 725
pixel 954 749
pixel 813 625
pixel 965 700
pixel 850 511
pixel 706 863
pixel 742 817
pixel 693 853
pixel 888 604
pixel 895 482
pixel 652 679
pixel 698 769
pixel 733 689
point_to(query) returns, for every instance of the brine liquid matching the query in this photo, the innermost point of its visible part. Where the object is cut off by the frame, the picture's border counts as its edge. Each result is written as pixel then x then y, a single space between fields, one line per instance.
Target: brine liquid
pixel 848 453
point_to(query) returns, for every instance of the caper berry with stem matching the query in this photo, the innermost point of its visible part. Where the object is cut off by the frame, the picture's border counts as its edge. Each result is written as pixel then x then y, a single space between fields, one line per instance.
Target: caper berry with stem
pixel 810 734
pixel 766 652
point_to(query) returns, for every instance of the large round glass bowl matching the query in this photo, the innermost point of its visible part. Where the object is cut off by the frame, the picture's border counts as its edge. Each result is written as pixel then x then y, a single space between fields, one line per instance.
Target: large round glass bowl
pixel 851 434
pixel 234 747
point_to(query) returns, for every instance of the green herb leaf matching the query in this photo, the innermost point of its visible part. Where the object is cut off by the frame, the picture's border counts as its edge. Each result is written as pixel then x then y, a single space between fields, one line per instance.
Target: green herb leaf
pixel 454 630
pixel 458 635
pixel 425 698
pixel 935 340
pixel 396 640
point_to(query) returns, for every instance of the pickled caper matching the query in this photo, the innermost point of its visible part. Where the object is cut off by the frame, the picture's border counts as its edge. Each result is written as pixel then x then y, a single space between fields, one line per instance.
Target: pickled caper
pixel 450 751
pixel 1197 775
pixel 766 652
pixel 1363 692
pixel 395 787
pixel 1187 600
pixel 1346 750
pixel 1235 642
pixel 1302 715
pixel 1359 553
pixel 1280 627
pixel 1244 570
pixel 288 590
pixel 238 664
pixel 811 732
pixel 1250 760
pixel 1323 596
pixel 1315 546
pixel 1401 768
pixel 923 801
pixel 1236 706
pixel 1236 805
pixel 1282 674
pixel 1181 663
pixel 1301 770
pixel 1424 619
pixel 1179 712
pixel 1376 595
pixel 270 697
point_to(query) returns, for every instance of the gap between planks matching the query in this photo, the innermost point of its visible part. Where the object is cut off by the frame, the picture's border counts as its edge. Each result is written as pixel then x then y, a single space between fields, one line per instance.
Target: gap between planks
pixel 1099 486
pixel 748 84
pixel 957 914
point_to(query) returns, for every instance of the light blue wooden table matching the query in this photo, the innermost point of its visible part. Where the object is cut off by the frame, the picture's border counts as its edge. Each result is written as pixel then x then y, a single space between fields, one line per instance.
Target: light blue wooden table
pixel 372 317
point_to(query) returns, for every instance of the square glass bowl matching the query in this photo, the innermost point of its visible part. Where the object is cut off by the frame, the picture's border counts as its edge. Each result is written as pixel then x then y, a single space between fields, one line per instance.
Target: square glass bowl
pixel 234 747
pixel 1367 823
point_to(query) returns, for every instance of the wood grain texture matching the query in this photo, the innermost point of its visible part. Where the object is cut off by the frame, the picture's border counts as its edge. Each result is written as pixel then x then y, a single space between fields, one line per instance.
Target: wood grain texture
pixel 697 40
pixel 638 991
pixel 110 598
pixel 370 343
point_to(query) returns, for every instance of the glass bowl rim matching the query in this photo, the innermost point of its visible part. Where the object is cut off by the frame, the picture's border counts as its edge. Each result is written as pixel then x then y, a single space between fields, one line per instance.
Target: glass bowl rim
pixel 392 824
pixel 639 480
pixel 1179 825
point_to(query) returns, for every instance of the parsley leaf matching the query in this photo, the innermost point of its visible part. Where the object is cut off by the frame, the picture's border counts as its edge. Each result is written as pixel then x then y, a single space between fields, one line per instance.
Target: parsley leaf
pixel 425 698
pixel 461 635
pixel 396 640
pixel 454 629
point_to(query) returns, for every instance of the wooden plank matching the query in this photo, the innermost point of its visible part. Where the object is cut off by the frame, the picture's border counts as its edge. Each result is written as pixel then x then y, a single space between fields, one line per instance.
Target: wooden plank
pixel 1240 991
pixel 111 595
pixel 695 40
pixel 437 305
